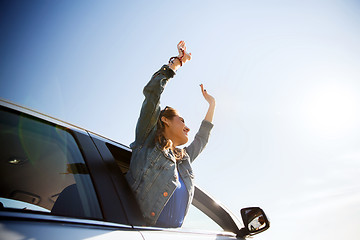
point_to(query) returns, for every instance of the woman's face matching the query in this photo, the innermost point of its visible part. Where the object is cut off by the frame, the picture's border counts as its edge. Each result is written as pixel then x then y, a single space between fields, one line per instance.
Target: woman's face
pixel 176 130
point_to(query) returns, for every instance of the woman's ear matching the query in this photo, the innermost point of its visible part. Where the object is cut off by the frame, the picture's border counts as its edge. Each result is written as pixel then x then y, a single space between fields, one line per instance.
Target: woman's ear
pixel 165 121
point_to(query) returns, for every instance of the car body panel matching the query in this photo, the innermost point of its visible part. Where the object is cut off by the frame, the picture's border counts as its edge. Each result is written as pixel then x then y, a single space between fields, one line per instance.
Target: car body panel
pixel 180 235
pixel 37 226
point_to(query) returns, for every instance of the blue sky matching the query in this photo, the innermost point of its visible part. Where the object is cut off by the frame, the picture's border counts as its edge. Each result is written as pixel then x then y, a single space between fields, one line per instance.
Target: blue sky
pixel 285 75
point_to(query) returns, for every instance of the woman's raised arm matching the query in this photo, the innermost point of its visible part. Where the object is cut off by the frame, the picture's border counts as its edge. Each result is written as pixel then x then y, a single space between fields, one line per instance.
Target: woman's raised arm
pixel 150 109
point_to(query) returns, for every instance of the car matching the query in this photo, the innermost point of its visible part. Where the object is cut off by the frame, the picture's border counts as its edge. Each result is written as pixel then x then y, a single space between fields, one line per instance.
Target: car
pixel 60 181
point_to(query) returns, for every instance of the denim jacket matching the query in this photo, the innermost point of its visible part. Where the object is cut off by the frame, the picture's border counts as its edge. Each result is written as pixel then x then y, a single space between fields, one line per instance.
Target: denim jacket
pixel 153 173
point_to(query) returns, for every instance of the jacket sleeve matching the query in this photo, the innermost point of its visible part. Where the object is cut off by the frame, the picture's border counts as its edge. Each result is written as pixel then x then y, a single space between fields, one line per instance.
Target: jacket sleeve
pixel 150 109
pixel 200 140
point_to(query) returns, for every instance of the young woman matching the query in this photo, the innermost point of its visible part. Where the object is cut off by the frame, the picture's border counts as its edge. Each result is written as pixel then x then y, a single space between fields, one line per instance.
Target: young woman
pixel 160 173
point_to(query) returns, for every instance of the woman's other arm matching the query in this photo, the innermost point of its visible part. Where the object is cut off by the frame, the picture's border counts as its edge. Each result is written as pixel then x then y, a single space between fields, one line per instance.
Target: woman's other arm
pixel 202 136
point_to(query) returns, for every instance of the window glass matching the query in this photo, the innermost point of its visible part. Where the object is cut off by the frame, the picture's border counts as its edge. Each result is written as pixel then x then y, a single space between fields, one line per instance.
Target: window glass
pixel 195 219
pixel 42 169
pixel 121 157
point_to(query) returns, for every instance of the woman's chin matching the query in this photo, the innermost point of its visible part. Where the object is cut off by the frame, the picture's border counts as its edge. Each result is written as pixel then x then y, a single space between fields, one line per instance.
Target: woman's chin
pixel 184 140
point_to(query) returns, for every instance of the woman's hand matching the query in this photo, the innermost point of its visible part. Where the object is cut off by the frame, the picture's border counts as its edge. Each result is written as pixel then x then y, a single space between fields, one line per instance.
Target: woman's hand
pixel 211 100
pixel 183 55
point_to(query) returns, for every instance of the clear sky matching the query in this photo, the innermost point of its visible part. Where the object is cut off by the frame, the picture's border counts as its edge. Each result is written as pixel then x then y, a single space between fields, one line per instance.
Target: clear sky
pixel 285 74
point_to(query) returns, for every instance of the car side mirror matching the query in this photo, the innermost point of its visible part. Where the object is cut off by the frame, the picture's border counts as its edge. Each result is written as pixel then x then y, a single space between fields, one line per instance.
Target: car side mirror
pixel 255 220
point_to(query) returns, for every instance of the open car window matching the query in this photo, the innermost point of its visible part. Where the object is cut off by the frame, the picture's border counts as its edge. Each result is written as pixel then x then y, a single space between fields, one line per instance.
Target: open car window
pixel 42 169
pixel 195 219
pixel 204 212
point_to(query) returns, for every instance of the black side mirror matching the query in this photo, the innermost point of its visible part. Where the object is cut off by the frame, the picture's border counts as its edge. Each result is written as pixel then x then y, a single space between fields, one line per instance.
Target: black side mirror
pixel 255 220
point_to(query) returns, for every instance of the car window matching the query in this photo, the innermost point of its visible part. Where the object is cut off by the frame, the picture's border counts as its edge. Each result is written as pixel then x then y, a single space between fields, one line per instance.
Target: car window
pixel 42 168
pixel 121 157
pixel 195 219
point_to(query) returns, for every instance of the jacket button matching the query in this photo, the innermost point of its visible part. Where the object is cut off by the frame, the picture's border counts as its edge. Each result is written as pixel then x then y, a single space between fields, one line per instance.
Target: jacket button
pixel 152 214
pixel 165 194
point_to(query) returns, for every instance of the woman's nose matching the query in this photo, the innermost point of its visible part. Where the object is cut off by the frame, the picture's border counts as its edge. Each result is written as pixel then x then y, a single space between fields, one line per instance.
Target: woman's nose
pixel 187 129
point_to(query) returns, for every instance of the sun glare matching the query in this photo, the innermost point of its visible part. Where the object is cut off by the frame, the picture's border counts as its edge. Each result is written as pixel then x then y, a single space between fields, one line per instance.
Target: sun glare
pixel 331 109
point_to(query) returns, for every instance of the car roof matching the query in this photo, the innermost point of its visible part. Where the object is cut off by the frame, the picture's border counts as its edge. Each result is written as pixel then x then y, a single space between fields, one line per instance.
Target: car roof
pixel 32 112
